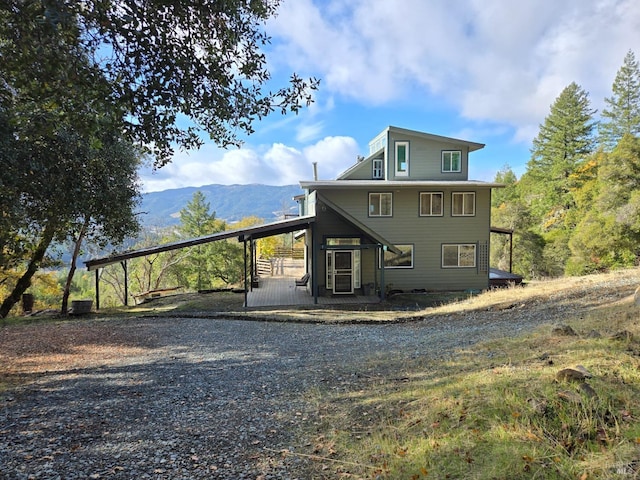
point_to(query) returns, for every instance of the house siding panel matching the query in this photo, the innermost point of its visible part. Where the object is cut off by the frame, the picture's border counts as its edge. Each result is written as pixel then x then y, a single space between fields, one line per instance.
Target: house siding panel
pixel 425 159
pixel 427 234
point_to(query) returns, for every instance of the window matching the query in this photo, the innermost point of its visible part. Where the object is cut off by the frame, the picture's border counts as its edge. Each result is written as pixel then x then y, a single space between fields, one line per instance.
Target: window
pixel 404 260
pixel 459 256
pixel 377 169
pixel 451 161
pixel 380 204
pixel 402 159
pixel 463 204
pixel 430 204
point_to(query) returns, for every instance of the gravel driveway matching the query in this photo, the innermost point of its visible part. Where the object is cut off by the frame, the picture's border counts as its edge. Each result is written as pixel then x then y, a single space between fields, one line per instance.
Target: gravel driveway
pixel 200 398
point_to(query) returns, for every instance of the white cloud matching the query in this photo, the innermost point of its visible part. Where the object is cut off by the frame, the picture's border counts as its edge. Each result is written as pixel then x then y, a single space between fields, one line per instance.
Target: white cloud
pixel 277 164
pixel 498 61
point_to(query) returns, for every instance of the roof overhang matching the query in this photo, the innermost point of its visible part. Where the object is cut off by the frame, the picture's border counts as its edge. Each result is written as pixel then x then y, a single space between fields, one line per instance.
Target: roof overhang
pixel 472 146
pixel 367 184
pixel 243 234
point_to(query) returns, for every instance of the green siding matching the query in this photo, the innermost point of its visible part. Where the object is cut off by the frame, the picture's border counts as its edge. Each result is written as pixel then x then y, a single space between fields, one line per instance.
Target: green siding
pixel 427 234
pixel 425 159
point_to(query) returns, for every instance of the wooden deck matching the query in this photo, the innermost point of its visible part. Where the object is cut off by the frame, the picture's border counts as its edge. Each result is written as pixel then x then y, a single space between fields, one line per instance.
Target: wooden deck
pixel 279 289
pixel 500 278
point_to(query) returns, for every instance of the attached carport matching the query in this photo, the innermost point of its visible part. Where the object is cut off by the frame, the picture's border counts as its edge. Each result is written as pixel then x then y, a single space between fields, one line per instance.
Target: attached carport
pixel 249 234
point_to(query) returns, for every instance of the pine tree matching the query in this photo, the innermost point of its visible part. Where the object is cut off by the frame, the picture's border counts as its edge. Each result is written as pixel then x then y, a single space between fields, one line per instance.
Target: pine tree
pixel 196 220
pixel 622 114
pixel 564 140
pixel 563 143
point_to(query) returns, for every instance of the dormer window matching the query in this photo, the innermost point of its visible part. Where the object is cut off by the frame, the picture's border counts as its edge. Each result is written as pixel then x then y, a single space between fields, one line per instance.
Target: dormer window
pixel 402 159
pixel 451 161
pixel 378 172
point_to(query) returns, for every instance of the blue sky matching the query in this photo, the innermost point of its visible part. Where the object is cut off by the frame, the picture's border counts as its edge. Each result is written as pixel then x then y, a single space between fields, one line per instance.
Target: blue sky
pixel 486 71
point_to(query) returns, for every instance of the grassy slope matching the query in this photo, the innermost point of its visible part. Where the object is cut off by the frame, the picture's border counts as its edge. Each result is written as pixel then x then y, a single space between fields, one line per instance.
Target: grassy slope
pixel 498 411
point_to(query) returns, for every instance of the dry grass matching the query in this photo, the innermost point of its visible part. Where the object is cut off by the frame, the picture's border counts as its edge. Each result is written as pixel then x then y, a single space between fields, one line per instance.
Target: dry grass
pixel 497 410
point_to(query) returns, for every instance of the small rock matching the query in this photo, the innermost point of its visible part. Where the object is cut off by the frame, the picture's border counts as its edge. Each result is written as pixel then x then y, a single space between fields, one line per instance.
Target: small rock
pixel 586 373
pixel 565 330
pixel 594 334
pixel 636 297
pixel 571 375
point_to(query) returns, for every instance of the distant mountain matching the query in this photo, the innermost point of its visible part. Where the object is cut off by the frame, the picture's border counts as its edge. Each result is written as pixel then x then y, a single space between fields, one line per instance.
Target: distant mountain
pixel 230 203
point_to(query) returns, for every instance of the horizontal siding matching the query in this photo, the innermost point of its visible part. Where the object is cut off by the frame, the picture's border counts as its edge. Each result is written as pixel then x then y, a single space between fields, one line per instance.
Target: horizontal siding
pixel 425 159
pixel 427 234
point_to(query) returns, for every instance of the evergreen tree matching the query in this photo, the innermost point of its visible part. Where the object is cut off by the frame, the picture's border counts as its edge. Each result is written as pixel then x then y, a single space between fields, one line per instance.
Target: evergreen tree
pixel 196 220
pixel 564 140
pixel 622 114
pixel 563 143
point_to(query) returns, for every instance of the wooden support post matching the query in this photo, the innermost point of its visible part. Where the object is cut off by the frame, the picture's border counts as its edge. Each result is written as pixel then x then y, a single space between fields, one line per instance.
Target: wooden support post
pixel 511 252
pixel 244 241
pixel 314 265
pixel 126 283
pixel 97 289
pixel 382 288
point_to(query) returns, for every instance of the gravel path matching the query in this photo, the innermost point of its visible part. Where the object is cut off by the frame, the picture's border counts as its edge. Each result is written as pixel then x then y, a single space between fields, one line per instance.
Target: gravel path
pixel 167 398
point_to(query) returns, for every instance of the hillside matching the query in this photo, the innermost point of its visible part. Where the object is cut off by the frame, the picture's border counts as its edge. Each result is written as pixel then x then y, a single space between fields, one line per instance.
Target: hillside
pixel 230 202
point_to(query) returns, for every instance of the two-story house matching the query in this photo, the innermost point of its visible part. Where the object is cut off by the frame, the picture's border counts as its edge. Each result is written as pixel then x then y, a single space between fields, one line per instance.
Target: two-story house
pixel 406 217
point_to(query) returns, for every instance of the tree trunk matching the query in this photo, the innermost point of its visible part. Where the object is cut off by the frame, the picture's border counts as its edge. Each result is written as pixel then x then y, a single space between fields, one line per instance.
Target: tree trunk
pixel 25 281
pixel 64 309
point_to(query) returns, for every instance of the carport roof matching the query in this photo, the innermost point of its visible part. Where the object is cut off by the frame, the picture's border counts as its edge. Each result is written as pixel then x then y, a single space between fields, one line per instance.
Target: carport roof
pixel 243 234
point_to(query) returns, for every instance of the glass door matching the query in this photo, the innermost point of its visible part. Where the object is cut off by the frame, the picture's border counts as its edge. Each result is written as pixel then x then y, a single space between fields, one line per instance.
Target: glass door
pixel 342 271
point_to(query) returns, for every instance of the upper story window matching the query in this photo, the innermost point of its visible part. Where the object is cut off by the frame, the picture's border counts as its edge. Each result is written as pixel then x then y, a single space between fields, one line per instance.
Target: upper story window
pixel 378 168
pixel 380 204
pixel 402 159
pixel 378 143
pixel 451 161
pixel 463 204
pixel 431 204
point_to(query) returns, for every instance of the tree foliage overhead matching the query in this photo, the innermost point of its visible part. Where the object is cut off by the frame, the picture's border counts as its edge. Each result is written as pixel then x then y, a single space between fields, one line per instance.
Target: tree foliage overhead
pixel 163 62
pixel 80 79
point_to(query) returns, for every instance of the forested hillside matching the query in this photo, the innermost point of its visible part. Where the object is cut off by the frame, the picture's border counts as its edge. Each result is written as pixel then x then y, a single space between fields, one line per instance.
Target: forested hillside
pixel 576 209
pixel 229 202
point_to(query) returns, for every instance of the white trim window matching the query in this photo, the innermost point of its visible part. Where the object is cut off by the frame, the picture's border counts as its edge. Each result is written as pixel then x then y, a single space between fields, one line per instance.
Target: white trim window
pixel 451 161
pixel 380 204
pixel 402 159
pixel 377 166
pixel 463 204
pixel 431 204
pixel 459 255
pixel 404 260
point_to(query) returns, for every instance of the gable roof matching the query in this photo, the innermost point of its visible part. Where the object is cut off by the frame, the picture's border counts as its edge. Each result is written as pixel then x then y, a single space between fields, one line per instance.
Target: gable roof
pixel 358 224
pixel 473 146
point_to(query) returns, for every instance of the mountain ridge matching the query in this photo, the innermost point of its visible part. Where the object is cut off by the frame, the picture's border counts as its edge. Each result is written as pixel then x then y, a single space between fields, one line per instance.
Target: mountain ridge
pixel 230 203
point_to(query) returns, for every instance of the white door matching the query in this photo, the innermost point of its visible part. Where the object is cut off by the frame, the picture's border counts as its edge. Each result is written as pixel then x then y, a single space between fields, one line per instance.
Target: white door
pixel 342 271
